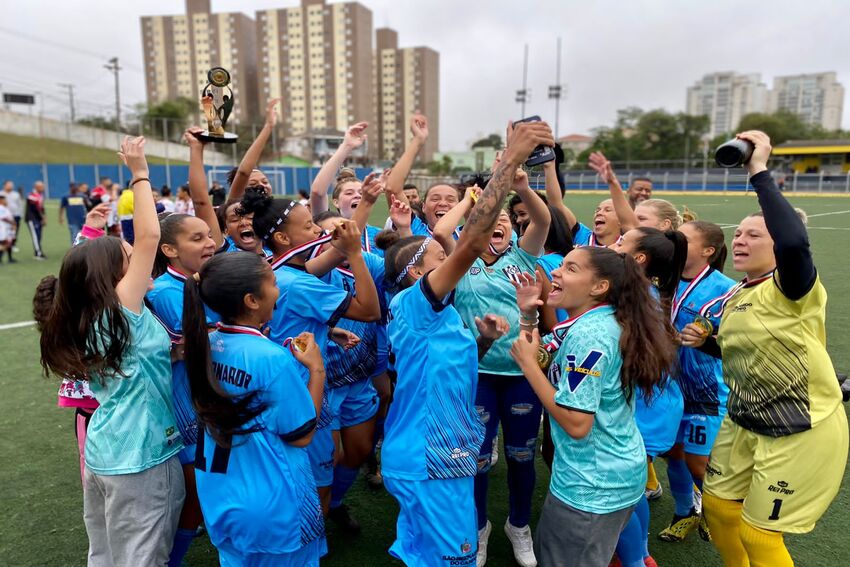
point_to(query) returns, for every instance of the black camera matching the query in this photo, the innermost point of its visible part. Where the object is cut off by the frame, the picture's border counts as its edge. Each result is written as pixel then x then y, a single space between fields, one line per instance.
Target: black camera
pixel 734 153
pixel 541 154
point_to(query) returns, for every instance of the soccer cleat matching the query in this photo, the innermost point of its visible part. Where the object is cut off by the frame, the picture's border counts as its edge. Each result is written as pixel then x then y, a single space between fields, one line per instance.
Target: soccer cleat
pixel 703 530
pixel 680 527
pixel 654 494
pixel 483 538
pixel 522 543
pixel 342 517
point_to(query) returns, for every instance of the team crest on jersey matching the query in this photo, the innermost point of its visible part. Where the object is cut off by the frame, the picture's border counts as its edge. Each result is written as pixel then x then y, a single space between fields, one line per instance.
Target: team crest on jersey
pixel 474 271
pixel 554 374
pixel 512 272
pixel 466 547
pixel 576 374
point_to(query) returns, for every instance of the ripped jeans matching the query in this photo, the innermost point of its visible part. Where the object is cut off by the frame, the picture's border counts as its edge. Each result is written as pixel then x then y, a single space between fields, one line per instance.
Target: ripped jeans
pixel 511 401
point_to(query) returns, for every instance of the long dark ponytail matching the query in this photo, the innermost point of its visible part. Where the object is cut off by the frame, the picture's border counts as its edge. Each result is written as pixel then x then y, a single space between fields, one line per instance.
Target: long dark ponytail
pixel 646 341
pixel 270 213
pixel 224 281
pixel 666 254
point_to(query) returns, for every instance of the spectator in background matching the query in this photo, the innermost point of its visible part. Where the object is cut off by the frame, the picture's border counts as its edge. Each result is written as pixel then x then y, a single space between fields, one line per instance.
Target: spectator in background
pixel 7 229
pixel 165 199
pixel 74 205
pixel 103 188
pixel 412 194
pixel 13 203
pixel 83 189
pixel 640 189
pixel 217 194
pixel 126 206
pixel 35 217
pixel 184 205
pixel 304 198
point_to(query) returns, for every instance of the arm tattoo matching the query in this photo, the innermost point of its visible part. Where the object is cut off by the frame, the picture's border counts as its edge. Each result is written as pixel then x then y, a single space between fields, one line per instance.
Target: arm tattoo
pixel 486 211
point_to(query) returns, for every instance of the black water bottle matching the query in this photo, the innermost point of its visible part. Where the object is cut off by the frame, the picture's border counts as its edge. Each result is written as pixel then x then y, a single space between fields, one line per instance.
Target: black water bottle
pixel 734 153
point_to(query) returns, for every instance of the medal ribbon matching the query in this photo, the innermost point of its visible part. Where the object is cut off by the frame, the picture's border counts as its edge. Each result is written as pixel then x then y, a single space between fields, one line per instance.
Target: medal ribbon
pixel 677 305
pixel 706 312
pixel 311 247
pixel 563 327
pixel 240 330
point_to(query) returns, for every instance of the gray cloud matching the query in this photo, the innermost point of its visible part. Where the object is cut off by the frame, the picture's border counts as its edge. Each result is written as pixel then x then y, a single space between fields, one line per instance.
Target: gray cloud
pixel 616 53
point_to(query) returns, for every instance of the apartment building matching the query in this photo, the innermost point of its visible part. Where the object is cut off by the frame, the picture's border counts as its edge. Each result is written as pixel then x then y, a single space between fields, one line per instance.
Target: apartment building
pixel 818 98
pixel 725 98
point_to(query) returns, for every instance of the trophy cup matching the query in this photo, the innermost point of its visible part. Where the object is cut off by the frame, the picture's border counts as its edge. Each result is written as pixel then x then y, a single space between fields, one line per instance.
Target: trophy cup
pixel 217 102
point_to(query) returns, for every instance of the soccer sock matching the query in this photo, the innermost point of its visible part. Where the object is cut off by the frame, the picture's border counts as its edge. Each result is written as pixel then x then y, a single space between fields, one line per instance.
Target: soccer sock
pixel 182 540
pixel 642 513
pixel 630 547
pixel 344 477
pixel 651 478
pixel 697 482
pixel 765 548
pixel 681 486
pixel 724 521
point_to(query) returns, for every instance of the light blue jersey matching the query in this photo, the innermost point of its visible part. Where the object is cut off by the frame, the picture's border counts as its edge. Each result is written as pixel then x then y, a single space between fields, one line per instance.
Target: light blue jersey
pixel 606 470
pixel 701 375
pixel 367 240
pixel 433 430
pixel 418 227
pixel 349 366
pixel 582 235
pixel 134 428
pixel 259 495
pixel 550 262
pixel 166 302
pixel 488 289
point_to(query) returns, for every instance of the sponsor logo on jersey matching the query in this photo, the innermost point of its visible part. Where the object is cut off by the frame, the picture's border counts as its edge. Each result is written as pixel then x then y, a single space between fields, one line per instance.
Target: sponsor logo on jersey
pixel 742 307
pixel 712 471
pixel 781 487
pixel 576 374
pixel 457 453
pixel 474 271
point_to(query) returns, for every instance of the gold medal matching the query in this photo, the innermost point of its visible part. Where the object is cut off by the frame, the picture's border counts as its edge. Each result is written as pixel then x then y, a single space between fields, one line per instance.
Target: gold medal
pixel 704 324
pixel 544 357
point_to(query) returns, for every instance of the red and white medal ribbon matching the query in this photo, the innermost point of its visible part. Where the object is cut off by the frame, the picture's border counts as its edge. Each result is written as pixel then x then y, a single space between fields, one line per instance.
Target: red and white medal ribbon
pixel 677 304
pixel 706 310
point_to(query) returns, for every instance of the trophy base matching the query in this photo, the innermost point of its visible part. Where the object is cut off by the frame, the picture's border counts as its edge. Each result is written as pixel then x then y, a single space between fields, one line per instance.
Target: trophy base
pixel 227 138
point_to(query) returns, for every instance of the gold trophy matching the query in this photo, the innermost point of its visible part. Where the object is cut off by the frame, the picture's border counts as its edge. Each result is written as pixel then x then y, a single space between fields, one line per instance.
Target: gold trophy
pixel 217 102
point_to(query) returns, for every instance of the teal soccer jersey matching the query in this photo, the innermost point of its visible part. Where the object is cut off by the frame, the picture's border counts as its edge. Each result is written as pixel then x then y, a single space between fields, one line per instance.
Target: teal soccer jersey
pixel 606 470
pixel 488 289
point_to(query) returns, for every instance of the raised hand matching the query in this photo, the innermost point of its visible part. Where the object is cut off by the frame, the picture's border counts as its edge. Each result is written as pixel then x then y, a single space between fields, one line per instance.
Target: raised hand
pixel 521 180
pixel 419 126
pixel 191 139
pixel 372 188
pixel 346 238
pixel 528 292
pixel 400 214
pixel 271 112
pixel 600 164
pixel 492 327
pixel 761 153
pixel 524 137
pixel 96 218
pixel 133 155
pixel 356 135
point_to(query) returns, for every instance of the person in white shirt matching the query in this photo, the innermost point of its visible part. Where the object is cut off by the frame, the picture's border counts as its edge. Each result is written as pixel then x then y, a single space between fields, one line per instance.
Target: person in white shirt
pixel 7 229
pixel 167 203
pixel 13 203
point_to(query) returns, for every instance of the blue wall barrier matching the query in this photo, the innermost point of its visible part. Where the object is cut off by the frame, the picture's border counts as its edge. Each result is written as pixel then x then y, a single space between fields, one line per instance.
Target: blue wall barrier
pixel 57 177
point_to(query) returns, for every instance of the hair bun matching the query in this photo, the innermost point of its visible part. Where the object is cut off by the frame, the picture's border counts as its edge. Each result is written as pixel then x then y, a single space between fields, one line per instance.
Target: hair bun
pixel 255 199
pixel 345 174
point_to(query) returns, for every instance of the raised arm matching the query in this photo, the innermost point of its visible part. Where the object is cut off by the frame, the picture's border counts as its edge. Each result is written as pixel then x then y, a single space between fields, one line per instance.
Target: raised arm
pixel 372 188
pixel 198 190
pixel 133 286
pixel 364 305
pixel 479 226
pixel 252 156
pixel 625 214
pixel 790 240
pixel 401 216
pixel 401 169
pixel 445 227
pixel 355 137
pixel 535 235
pixel 553 192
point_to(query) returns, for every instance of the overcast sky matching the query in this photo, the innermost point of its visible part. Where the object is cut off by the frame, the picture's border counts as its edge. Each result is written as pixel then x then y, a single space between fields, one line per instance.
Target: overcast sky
pixel 615 53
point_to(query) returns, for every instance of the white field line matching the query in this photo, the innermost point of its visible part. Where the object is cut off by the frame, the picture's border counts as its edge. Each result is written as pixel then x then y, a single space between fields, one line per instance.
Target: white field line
pixel 809 216
pixel 17 325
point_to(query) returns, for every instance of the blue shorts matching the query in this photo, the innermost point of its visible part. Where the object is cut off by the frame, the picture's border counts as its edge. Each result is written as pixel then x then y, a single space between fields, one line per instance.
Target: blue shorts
pixel 659 421
pixel 698 432
pixel 306 556
pixel 321 453
pixel 352 404
pixel 436 522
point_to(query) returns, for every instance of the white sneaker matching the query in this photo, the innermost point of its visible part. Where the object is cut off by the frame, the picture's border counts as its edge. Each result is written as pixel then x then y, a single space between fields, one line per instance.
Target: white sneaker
pixel 697 500
pixel 483 538
pixel 654 494
pixel 522 543
pixel 494 455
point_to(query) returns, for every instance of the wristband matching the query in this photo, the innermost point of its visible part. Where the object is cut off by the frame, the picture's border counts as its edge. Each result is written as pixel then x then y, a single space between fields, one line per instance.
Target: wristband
pixel 91 232
pixel 133 183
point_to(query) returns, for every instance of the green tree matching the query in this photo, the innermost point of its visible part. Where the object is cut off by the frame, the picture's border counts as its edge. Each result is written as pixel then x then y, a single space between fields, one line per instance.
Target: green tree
pixel 781 126
pixel 175 113
pixel 491 141
pixel 442 167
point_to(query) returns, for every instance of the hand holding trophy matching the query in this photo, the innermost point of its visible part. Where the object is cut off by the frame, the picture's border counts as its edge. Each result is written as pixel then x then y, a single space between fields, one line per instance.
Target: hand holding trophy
pixel 217 103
